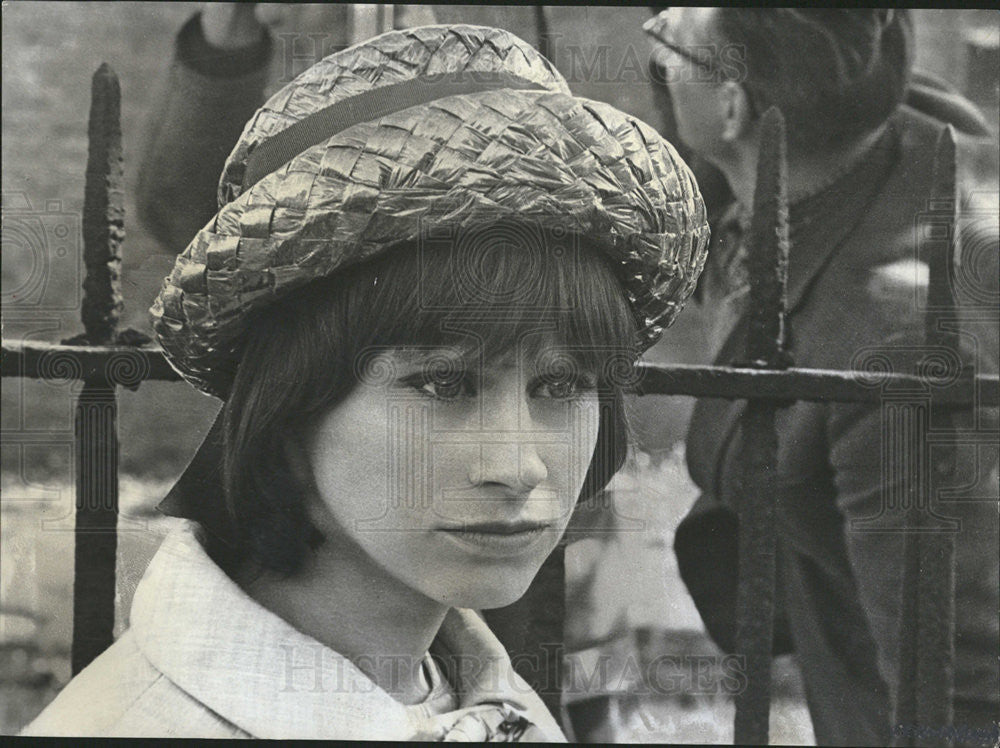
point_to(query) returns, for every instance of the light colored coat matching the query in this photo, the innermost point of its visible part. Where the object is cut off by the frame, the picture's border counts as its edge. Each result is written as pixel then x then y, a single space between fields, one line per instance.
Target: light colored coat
pixel 202 659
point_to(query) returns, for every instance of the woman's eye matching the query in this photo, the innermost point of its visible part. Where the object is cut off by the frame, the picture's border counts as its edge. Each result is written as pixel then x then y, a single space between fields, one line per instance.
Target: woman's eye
pixel 565 389
pixel 452 388
pixel 445 390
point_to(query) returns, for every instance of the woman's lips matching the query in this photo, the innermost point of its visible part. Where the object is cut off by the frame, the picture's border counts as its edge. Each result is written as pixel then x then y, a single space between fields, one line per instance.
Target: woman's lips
pixel 498 538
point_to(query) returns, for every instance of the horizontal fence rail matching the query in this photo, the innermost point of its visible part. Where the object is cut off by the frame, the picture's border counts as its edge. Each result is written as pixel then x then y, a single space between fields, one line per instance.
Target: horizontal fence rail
pixel 122 365
pixel 128 366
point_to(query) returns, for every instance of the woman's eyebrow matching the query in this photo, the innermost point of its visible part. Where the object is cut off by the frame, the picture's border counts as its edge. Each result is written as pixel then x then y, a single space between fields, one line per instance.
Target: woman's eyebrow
pixel 580 357
pixel 416 357
pixel 474 360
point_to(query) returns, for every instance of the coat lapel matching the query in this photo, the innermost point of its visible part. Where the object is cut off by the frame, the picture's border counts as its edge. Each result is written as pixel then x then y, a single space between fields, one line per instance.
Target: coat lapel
pixel 198 628
pixel 246 664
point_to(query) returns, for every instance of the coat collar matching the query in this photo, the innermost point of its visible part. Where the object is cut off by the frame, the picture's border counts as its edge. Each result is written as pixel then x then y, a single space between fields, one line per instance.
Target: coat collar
pixel 197 627
pixel 819 224
pixel 877 199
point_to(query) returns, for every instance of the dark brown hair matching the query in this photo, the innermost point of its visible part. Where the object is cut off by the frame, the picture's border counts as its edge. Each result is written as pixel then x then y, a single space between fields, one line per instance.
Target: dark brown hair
pixel 486 289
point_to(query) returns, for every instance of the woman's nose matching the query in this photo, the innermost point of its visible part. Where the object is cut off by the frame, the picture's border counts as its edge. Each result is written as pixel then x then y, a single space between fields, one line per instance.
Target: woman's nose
pixel 513 464
pixel 508 451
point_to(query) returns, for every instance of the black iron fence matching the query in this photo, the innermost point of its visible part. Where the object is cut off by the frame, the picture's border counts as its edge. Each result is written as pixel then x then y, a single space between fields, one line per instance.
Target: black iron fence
pixel 105 359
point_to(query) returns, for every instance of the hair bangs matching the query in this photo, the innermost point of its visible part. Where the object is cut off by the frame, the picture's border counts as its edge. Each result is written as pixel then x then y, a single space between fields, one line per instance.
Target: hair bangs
pixel 500 290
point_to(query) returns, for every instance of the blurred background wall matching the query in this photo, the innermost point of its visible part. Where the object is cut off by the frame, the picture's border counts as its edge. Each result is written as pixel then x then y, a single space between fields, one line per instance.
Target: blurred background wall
pixel 50 51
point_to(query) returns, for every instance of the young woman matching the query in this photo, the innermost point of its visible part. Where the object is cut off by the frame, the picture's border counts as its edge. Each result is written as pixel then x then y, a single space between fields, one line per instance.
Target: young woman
pixel 430 273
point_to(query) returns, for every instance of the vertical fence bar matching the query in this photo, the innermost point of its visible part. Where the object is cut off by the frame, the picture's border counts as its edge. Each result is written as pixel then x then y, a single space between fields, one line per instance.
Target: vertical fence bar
pixel 103 210
pixel 936 613
pixel 767 262
pixel 927 624
pixel 96 440
pixel 544 33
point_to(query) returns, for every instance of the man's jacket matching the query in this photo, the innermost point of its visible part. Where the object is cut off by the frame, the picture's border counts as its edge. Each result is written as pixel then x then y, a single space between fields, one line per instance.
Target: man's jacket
pixel 857 282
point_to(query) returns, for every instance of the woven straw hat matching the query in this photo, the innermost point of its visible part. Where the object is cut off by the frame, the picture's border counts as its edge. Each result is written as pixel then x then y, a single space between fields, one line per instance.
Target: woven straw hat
pixel 431 126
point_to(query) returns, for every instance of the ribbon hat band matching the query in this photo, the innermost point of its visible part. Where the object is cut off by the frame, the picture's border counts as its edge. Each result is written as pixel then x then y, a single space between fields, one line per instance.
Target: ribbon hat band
pixel 278 150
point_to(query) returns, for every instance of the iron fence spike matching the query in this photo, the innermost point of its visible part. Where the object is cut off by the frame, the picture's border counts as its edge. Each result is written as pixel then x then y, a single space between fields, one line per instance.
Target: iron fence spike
pixel 103 210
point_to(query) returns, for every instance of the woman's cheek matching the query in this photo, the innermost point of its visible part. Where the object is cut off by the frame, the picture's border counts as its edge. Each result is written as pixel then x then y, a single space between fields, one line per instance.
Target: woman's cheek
pixel 585 422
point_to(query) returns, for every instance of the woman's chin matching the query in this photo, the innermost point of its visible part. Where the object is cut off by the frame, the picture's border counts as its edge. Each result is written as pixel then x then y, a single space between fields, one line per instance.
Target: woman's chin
pixel 497 593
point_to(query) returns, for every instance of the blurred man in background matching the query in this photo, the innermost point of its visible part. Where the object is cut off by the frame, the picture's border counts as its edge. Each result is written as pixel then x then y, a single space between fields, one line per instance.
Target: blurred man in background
pixel 861 139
